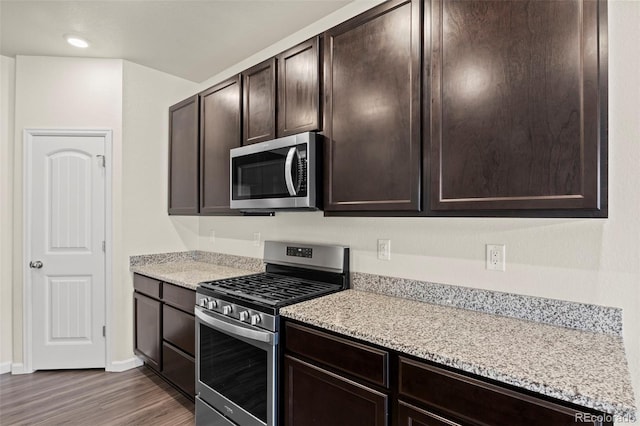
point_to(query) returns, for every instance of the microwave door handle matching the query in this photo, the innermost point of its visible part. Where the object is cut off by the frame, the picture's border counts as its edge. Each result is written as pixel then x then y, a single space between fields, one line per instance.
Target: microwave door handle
pixel 288 175
pixel 235 330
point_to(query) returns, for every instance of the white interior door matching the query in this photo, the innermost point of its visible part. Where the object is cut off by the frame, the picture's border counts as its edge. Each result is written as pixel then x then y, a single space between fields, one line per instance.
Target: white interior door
pixel 66 220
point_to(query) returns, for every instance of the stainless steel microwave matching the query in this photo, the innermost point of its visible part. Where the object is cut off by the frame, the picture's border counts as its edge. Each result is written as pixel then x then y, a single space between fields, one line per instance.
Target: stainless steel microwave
pixel 277 174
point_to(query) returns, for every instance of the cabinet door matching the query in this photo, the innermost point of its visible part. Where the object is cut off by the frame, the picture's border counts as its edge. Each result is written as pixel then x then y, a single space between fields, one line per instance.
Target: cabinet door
pixel 183 157
pixel 372 104
pixel 515 89
pixel 299 89
pixel 409 415
pixel 315 397
pixel 219 132
pixel 259 102
pixel 147 329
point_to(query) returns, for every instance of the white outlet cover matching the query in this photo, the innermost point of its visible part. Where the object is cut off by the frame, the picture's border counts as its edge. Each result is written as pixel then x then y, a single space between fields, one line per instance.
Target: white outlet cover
pixel 496 257
pixel 256 239
pixel 384 249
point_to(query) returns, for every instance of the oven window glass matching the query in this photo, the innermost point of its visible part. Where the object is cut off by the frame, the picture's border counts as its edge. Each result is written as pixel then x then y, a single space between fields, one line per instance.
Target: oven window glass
pixel 235 369
pixel 262 175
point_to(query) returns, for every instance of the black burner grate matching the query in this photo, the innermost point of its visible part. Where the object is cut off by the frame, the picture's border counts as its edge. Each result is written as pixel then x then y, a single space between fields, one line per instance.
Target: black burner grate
pixel 272 289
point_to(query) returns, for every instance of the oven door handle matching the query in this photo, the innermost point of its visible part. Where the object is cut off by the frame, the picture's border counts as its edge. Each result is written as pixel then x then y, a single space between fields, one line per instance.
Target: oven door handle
pixel 260 336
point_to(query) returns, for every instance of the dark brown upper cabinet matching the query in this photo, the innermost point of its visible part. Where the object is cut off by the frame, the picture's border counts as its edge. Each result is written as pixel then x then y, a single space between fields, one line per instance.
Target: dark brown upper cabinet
pixel 259 102
pixel 372 106
pixel 299 89
pixel 220 130
pixel 518 105
pixel 183 157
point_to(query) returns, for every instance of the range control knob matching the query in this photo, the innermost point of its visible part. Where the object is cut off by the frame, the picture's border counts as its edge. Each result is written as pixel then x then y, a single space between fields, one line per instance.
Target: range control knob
pixel 255 319
pixel 244 315
pixel 227 309
pixel 212 304
pixel 203 303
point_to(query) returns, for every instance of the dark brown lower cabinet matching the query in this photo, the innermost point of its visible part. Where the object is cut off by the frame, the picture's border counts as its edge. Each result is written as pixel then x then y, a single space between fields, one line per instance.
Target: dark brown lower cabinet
pixel 179 368
pixel 164 330
pixel 317 397
pixel 324 387
pixel 408 415
pixel 476 401
pixel 179 328
pixel 147 335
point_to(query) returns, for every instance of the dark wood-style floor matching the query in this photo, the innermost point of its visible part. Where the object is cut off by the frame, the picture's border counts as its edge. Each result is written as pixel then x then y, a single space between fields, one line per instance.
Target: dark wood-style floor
pixel 91 398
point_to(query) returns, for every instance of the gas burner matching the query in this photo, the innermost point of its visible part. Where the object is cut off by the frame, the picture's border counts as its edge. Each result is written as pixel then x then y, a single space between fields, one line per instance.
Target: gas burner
pixel 272 289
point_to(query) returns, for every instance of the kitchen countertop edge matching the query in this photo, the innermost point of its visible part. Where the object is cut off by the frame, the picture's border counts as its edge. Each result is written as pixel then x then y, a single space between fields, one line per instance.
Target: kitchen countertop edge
pixel 188 274
pixel 304 312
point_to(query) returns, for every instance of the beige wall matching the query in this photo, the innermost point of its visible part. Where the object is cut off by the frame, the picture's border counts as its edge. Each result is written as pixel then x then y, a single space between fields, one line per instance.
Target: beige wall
pixel 132 101
pixel 584 260
pixel 58 93
pixel 146 227
pixel 7 100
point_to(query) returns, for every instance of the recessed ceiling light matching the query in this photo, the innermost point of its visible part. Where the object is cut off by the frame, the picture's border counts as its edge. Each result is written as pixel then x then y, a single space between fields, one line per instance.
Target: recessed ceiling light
pixel 76 41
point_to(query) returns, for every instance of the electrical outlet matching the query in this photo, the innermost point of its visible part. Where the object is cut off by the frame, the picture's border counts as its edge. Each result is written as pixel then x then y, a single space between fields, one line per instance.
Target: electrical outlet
pixel 384 249
pixel 213 236
pixel 256 239
pixel 496 260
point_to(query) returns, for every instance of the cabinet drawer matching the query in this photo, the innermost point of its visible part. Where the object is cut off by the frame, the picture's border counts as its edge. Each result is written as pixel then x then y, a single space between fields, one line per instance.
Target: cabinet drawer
pixel 350 357
pixel 146 285
pixel 179 367
pixel 179 328
pixel 469 399
pixel 180 297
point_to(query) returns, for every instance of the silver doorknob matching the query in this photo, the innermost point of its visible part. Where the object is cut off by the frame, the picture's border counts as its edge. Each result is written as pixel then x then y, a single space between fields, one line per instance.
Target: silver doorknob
pixel 35 265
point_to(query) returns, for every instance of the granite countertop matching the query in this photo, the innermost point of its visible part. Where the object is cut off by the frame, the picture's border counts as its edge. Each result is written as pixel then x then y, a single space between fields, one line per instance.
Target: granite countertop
pixel 188 273
pixel 581 367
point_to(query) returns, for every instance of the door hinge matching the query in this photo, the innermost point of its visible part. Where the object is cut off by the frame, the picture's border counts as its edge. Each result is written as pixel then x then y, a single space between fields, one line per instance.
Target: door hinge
pixel 104 331
pixel 102 159
pixel 104 246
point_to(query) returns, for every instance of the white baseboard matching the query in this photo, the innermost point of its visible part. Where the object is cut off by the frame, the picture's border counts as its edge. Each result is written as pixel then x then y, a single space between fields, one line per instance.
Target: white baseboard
pixel 18 368
pixel 5 367
pixel 127 364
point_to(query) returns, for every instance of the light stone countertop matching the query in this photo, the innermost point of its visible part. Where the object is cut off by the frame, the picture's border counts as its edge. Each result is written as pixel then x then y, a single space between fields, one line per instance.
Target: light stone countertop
pixel 188 273
pixel 582 367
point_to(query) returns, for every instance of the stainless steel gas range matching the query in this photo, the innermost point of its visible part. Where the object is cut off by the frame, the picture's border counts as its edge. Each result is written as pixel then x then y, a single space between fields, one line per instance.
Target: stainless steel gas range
pixel 237 330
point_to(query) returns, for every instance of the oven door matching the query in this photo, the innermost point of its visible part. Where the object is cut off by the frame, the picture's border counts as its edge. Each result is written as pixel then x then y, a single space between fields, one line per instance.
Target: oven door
pixel 235 369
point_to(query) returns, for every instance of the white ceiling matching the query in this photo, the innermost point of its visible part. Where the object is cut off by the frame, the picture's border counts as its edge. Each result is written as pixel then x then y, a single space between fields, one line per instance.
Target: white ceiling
pixel 190 39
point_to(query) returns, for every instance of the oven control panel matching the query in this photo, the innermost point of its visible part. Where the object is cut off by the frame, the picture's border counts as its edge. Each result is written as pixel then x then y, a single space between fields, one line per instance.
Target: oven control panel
pixel 300 252
pixel 237 312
